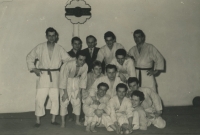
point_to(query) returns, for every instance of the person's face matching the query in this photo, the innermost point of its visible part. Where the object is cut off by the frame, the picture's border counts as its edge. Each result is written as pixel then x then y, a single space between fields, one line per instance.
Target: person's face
pixel 102 91
pixel 109 41
pixel 135 101
pixel 138 39
pixel 111 73
pixel 80 61
pixel 121 93
pixel 133 86
pixel 51 37
pixel 120 59
pixel 76 45
pixel 91 42
pixel 97 70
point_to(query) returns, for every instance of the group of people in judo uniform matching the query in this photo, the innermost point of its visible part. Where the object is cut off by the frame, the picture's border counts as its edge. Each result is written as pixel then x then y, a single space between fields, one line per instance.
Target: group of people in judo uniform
pixel 112 87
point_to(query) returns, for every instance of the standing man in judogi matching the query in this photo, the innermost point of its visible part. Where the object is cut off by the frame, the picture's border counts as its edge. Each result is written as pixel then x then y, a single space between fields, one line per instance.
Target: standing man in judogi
pixel 148 60
pixel 73 79
pixel 107 52
pixel 50 56
pixel 152 103
pixel 76 43
pixel 125 65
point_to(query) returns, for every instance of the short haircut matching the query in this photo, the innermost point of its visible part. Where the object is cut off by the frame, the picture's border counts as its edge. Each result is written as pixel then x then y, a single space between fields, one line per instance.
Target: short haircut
pixel 110 66
pixel 109 34
pixel 138 94
pixel 132 79
pixel 76 38
pixel 91 36
pixel 51 29
pixel 120 52
pixel 96 63
pixel 138 31
pixel 121 85
pixel 80 53
pixel 103 84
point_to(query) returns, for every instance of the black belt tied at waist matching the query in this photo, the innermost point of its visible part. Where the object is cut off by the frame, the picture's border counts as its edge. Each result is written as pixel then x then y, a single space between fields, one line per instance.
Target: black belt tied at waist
pixel 140 75
pixel 49 72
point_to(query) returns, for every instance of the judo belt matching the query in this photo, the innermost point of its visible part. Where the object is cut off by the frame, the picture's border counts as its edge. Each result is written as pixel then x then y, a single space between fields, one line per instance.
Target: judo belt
pixel 140 74
pixel 49 72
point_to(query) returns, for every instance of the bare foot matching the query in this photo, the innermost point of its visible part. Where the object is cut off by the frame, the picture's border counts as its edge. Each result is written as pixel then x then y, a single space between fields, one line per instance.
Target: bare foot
pixel 70 119
pixel 78 123
pixel 87 129
pixel 55 123
pixel 93 130
pixel 118 130
pixel 82 120
pixel 62 125
pixel 127 132
pixel 121 131
pixel 37 125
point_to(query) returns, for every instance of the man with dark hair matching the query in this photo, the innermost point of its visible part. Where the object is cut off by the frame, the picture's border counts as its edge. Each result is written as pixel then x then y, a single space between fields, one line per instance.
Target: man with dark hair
pixel 92 76
pixel 73 79
pixel 139 115
pixel 120 109
pixel 91 51
pixel 107 52
pixel 111 66
pixel 50 57
pixel 96 113
pixel 152 103
pixel 50 29
pixel 76 43
pixel 138 94
pixel 125 66
pixel 148 60
pixel 109 34
pixel 111 79
pixel 103 85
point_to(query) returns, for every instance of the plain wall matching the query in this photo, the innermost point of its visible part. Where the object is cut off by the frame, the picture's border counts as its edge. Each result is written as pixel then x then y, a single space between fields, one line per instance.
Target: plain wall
pixel 172 26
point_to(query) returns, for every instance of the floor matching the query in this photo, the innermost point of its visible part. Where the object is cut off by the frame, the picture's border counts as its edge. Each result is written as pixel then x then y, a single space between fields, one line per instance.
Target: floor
pixel 180 121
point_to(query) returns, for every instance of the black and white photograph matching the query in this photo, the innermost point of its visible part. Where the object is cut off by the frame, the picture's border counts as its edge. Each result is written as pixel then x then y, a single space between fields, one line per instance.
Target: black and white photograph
pixel 106 67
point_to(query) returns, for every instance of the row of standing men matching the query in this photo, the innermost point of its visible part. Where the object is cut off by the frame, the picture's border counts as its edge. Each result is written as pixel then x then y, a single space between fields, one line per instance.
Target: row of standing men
pixel 143 61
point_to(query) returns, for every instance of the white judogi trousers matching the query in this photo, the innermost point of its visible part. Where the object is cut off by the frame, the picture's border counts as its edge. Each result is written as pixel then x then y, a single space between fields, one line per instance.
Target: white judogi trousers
pixel 41 96
pixel 72 90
